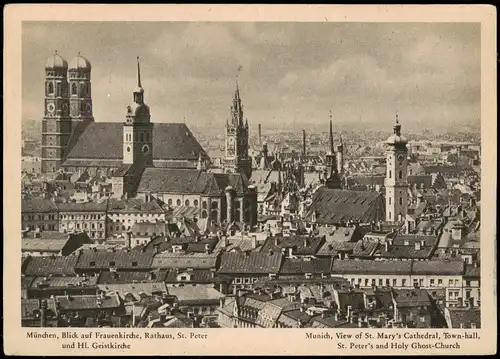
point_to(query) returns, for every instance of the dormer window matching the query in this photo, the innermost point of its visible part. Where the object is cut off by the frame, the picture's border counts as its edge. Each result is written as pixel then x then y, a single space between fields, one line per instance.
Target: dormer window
pixel 112 264
pixel 134 264
pixel 92 264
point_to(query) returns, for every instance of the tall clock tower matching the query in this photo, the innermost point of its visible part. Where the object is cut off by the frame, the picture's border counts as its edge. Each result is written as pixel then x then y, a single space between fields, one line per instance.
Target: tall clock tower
pixel 56 122
pixel 138 129
pixel 236 158
pixel 80 89
pixel 396 181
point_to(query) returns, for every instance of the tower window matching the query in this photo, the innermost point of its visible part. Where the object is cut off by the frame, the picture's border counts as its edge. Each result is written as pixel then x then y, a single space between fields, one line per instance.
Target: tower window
pixel 390 174
pixel 73 89
pixel 401 201
pixel 389 215
pixel 50 88
pixel 147 137
pixel 400 174
pixel 128 149
pixel 389 200
pixel 58 89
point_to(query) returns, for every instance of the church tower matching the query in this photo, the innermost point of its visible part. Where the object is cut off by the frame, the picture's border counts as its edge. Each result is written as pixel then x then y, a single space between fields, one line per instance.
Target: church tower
pixel 396 183
pixel 138 129
pixel 340 158
pixel 236 159
pixel 56 122
pixel 80 97
pixel 333 180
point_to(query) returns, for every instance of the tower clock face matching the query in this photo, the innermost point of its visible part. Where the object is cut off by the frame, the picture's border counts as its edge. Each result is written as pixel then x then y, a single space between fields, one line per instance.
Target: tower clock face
pixel 51 108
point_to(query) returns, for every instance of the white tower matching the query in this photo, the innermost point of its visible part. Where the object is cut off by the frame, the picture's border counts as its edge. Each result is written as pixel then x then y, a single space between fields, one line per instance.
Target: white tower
pixel 396 183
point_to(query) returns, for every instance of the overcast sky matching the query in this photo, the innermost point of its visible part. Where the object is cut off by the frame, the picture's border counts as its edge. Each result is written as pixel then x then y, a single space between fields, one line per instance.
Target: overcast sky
pixel 291 72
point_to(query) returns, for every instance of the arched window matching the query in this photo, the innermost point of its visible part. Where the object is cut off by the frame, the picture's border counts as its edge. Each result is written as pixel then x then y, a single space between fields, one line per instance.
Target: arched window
pixel 187 202
pixel 179 202
pixel 50 88
pixel 237 214
pixel 389 200
pixel 58 89
pixel 213 215
pixel 204 214
pixel 147 136
pixel 401 201
pixel 195 202
pixel 400 174
pixel 169 201
pixel 73 89
pixel 141 136
pixel 204 204
pixel 215 205
pixel 389 215
pixel 390 174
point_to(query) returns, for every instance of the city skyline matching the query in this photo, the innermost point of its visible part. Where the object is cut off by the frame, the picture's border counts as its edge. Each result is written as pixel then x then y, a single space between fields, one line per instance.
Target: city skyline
pixel 364 73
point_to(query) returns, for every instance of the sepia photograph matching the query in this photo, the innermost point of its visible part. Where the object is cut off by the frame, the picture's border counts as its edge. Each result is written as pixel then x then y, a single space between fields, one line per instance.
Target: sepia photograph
pixel 251 174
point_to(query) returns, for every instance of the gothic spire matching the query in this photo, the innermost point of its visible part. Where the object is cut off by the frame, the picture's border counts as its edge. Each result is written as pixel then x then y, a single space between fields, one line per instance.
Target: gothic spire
pixel 331 134
pixel 138 73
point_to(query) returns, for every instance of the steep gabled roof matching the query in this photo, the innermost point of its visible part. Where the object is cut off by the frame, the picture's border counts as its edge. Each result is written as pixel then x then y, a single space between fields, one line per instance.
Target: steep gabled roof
pixel 104 140
pixel 333 206
pixel 250 262
pixel 169 180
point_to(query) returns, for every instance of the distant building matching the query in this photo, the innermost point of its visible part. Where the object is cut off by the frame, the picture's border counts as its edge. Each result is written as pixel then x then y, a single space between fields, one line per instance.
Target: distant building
pixel 39 213
pixel 52 243
pixel 88 216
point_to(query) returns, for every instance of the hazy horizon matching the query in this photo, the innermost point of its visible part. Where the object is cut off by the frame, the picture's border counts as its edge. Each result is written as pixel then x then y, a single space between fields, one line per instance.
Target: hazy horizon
pixel 291 74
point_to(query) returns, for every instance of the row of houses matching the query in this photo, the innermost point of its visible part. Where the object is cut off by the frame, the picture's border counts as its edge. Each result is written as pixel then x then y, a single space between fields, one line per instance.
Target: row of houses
pixel 327 306
pixel 452 281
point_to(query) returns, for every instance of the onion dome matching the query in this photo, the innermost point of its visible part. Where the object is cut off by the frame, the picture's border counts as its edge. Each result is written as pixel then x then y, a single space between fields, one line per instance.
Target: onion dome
pixel 56 62
pixel 139 110
pixel 80 63
pixel 396 139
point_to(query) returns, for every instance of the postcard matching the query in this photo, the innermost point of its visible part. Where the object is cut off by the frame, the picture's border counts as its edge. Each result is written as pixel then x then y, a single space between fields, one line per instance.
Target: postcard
pixel 249 180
